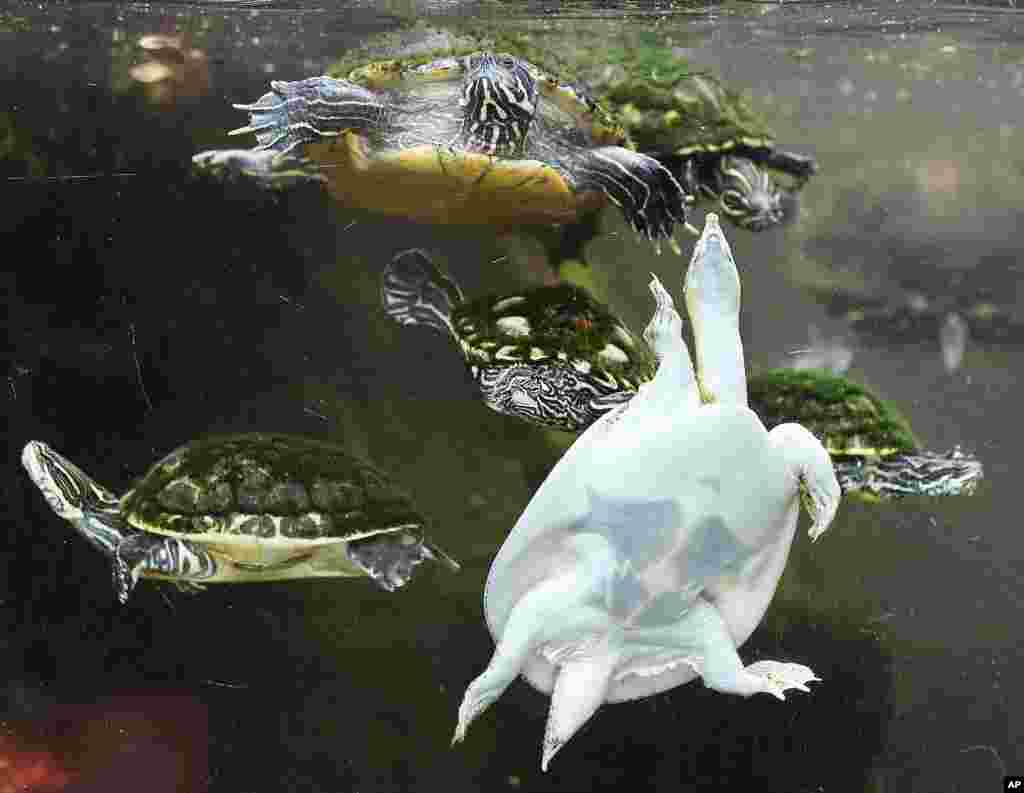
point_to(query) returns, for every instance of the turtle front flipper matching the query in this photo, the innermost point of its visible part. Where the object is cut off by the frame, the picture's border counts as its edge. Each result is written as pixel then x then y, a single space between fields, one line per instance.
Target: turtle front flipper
pixel 310 110
pixel 267 168
pixel 164 556
pixel 414 291
pixel 649 196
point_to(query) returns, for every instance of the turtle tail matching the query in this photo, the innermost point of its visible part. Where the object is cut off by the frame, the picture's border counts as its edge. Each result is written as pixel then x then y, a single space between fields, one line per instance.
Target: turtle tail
pixel 414 291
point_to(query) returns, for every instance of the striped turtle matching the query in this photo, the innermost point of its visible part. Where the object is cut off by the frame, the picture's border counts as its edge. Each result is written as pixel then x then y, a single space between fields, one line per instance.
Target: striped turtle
pixel 237 508
pixel 551 355
pixel 454 133
pixel 555 357
pixel 873 447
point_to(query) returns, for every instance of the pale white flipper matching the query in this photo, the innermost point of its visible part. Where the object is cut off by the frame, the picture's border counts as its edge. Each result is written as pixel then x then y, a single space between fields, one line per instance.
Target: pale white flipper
pixel 712 288
pixel 556 613
pixel 674 384
pixel 703 639
pixel 810 462
pixel 580 689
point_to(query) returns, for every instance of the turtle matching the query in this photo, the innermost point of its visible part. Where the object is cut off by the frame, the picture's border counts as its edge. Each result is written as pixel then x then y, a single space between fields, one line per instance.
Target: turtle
pixel 654 547
pixel 875 451
pixel 468 136
pixel 709 135
pixel 240 508
pixel 706 131
pixel 557 358
pixel 551 355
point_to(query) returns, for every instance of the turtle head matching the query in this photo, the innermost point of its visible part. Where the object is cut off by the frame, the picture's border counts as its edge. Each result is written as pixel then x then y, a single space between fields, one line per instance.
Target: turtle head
pixel 749 195
pixel 499 101
pixel 67 489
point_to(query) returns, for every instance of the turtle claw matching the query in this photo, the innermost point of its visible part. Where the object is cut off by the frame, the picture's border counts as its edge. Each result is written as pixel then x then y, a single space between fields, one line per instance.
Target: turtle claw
pixel 778 677
pixel 649 196
pixel 125 578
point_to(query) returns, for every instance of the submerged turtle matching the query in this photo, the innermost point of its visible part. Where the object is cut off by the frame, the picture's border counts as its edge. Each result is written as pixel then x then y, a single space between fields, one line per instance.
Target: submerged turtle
pixel 909 278
pixel 557 358
pixel 462 134
pixel 652 550
pixel 712 139
pixel 552 355
pixel 236 508
pixel 872 445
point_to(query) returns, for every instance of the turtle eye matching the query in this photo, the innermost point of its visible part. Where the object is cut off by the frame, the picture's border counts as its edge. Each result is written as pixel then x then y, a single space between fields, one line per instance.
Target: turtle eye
pixel 734 203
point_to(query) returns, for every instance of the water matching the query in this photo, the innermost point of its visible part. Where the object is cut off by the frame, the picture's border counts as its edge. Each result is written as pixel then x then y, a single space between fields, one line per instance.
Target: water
pixel 145 309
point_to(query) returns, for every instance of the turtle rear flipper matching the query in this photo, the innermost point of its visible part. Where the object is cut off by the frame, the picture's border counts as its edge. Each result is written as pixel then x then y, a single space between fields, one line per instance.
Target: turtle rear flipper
pixel 414 291
pixel 307 111
pixel 389 559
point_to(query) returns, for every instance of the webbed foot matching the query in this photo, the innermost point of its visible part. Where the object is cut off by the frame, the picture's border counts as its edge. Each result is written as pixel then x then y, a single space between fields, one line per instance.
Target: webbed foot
pixel 477 699
pixel 649 196
pixel 776 677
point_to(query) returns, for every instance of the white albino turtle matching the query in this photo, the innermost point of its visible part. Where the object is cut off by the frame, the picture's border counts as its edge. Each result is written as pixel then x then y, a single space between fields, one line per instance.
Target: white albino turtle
pixel 652 550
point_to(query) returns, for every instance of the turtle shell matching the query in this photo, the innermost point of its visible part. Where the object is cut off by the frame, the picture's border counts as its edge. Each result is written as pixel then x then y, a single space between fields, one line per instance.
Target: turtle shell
pixel 282 490
pixel 691 114
pixel 551 324
pixel 848 419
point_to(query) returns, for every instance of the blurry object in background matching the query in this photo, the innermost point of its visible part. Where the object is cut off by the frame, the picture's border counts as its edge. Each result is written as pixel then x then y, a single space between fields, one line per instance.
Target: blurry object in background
pixel 174 69
pixel 243 508
pixel 109 746
pixel 894 279
pixel 833 354
pixel 29 770
pixel 874 449
pixel 953 336
pixel 551 355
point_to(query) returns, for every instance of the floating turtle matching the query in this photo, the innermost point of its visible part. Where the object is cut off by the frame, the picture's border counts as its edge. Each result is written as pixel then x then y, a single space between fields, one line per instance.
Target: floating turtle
pixel 874 449
pixel 236 508
pixel 557 358
pixel 552 355
pixel 652 550
pixel 462 135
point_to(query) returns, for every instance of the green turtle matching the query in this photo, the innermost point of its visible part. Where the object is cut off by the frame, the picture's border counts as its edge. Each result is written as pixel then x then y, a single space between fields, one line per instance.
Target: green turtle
pixel 557 358
pixel 709 135
pixel 237 508
pixel 469 137
pixel 654 547
pixel 551 355
pixel 873 446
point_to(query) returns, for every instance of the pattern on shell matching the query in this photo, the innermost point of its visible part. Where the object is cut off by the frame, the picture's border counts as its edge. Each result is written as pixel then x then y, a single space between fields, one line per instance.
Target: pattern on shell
pixel 847 418
pixel 563 323
pixel 267 486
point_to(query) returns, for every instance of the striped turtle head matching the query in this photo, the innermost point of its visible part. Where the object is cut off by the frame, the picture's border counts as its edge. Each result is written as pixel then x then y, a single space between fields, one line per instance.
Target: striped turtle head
pixel 68 490
pixel 499 101
pixel 748 194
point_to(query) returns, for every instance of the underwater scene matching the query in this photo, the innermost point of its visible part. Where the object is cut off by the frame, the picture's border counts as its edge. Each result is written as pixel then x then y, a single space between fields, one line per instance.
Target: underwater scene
pixel 511 396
